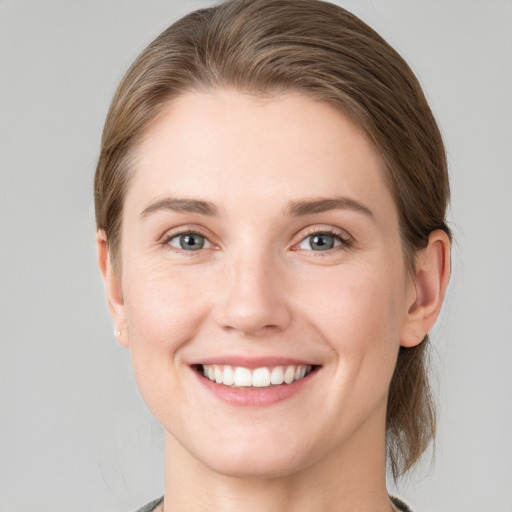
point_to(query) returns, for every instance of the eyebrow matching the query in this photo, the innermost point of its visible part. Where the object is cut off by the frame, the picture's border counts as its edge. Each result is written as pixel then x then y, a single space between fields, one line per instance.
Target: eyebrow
pixel 181 206
pixel 294 208
pixel 311 206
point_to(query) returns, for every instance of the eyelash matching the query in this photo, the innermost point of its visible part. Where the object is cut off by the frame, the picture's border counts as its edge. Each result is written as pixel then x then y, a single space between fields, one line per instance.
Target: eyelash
pixel 167 239
pixel 346 242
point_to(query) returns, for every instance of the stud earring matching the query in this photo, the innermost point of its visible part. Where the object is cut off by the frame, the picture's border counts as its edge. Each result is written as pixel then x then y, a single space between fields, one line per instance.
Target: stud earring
pixel 117 332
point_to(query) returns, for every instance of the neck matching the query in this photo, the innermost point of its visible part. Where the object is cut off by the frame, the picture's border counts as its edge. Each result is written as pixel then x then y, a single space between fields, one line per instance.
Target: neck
pixel 350 479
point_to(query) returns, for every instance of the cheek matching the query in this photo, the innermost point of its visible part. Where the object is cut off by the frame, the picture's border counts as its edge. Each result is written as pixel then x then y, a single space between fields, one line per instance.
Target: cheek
pixel 356 307
pixel 359 315
pixel 164 310
pixel 160 300
pixel 360 319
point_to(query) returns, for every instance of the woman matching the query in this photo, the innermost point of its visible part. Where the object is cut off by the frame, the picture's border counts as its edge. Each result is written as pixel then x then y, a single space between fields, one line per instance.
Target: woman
pixel 270 199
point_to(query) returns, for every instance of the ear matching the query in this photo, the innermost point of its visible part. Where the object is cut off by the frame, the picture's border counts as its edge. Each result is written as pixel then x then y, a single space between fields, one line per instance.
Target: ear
pixel 112 288
pixel 427 289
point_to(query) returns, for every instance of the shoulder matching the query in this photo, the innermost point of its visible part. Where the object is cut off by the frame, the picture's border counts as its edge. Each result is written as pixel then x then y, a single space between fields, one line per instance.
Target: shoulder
pixel 154 506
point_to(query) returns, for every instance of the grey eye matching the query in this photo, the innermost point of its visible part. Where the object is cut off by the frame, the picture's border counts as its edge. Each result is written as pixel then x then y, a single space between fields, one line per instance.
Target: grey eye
pixel 320 242
pixel 189 242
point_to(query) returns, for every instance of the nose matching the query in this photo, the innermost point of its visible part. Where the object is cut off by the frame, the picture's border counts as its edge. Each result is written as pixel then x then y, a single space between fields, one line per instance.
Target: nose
pixel 252 296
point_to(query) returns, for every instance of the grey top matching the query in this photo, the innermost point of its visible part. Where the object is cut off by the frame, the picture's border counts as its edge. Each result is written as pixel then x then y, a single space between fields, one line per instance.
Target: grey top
pixel 155 505
pixel 399 504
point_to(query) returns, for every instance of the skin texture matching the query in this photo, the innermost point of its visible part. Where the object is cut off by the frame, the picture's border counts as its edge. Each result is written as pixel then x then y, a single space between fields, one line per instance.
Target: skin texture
pixel 259 289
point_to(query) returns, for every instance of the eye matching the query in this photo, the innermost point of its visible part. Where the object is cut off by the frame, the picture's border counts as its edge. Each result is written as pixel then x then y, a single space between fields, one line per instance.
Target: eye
pixel 322 241
pixel 189 241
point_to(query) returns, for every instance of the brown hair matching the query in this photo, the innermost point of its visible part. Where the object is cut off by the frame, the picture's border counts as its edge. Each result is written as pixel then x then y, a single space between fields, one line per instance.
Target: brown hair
pixel 270 46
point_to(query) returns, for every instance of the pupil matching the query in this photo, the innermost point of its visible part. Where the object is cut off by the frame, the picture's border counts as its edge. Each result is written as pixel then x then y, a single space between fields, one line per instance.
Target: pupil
pixel 322 242
pixel 192 242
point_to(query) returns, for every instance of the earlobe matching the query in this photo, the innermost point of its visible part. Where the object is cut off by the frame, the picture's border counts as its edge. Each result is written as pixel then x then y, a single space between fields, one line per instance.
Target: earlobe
pixel 428 288
pixel 113 288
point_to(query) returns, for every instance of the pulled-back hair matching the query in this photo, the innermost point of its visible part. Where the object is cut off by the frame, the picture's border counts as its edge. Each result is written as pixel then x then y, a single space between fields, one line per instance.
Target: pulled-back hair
pixel 317 48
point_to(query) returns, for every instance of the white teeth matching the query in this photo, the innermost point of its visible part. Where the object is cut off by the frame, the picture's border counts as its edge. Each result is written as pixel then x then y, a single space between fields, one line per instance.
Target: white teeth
pixel 259 378
pixel 218 374
pixel 229 376
pixel 277 376
pixel 289 374
pixel 243 377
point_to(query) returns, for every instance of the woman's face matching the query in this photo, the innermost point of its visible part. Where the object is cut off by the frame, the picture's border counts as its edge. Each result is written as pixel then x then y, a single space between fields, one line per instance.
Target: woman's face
pixel 259 242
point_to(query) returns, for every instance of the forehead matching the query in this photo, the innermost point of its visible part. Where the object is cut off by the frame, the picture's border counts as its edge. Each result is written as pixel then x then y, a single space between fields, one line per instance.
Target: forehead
pixel 225 144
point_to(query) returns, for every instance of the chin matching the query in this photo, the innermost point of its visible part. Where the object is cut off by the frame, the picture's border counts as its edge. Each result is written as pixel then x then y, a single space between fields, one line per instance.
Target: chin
pixel 257 467
pixel 250 458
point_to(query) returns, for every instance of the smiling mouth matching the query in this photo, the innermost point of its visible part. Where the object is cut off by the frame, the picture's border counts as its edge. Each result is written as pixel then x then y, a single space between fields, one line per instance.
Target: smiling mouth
pixel 264 377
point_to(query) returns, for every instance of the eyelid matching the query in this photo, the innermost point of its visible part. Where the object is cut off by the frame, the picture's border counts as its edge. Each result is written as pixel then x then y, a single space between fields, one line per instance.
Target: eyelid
pixel 185 230
pixel 345 238
pixel 206 245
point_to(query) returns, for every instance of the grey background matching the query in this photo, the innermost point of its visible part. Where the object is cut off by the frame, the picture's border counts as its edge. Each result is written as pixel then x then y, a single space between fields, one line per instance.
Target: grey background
pixel 74 433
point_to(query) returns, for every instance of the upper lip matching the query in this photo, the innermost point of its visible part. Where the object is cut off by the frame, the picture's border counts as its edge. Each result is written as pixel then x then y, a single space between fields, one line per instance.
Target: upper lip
pixel 252 362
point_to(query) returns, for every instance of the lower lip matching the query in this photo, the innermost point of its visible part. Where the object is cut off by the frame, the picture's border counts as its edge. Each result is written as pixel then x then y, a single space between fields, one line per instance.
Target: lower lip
pixel 256 397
